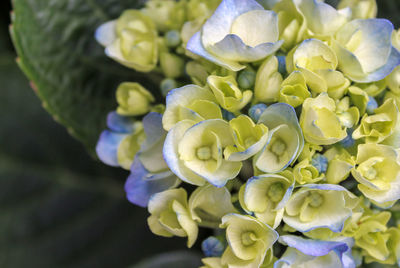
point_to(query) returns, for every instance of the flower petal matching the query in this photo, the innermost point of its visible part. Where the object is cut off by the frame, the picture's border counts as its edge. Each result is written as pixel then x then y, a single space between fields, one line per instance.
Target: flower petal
pixel 313 247
pixel 220 23
pixel 170 153
pixel 182 98
pixel 107 147
pixel 322 19
pixel 233 48
pixel 141 184
pixel 195 46
pixel 106 33
pixel 373 44
pixel 119 123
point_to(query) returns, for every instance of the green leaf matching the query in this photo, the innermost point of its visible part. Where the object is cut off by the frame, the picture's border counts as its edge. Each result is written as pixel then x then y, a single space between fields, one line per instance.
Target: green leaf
pixel 176 259
pixel 60 208
pixel 76 82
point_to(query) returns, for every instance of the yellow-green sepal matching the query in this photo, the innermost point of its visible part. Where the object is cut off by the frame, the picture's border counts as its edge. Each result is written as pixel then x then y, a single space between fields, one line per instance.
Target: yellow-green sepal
pixel 249 138
pixel 170 215
pixel 228 94
pixel 208 204
pixel 294 90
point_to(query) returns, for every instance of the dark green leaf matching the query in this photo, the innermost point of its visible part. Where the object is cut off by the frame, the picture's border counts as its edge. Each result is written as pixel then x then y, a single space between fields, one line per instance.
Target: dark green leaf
pixel 60 208
pixel 55 43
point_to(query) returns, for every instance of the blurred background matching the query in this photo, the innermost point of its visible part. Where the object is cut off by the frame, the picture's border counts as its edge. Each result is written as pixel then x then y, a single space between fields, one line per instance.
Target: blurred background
pixel 59 207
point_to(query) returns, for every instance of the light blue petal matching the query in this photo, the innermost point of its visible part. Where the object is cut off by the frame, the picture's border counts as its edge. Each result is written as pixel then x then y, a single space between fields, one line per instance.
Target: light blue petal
pixel 234 49
pixel 106 33
pixel 151 150
pixel 314 248
pixel 152 125
pixel 119 123
pixel 303 251
pixel 393 62
pixel 348 260
pixel 375 41
pixel 141 184
pixel 220 23
pixel 107 147
pixel 195 46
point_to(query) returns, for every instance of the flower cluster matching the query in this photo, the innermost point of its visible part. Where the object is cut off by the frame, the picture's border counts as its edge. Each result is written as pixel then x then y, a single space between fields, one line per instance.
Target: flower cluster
pixel 280 129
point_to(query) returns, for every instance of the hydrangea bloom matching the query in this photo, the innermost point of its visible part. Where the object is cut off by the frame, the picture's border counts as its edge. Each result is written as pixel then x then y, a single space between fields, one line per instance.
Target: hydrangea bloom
pixel 280 116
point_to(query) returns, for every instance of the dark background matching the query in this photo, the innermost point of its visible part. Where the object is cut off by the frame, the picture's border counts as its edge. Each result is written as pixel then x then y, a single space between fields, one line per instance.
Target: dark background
pixel 55 208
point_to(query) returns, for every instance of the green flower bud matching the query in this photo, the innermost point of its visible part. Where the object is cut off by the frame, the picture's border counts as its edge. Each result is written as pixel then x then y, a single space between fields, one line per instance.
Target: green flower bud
pixel 172 65
pixel 246 79
pixel 167 85
pixel 256 111
pixel 172 38
pixel 133 99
